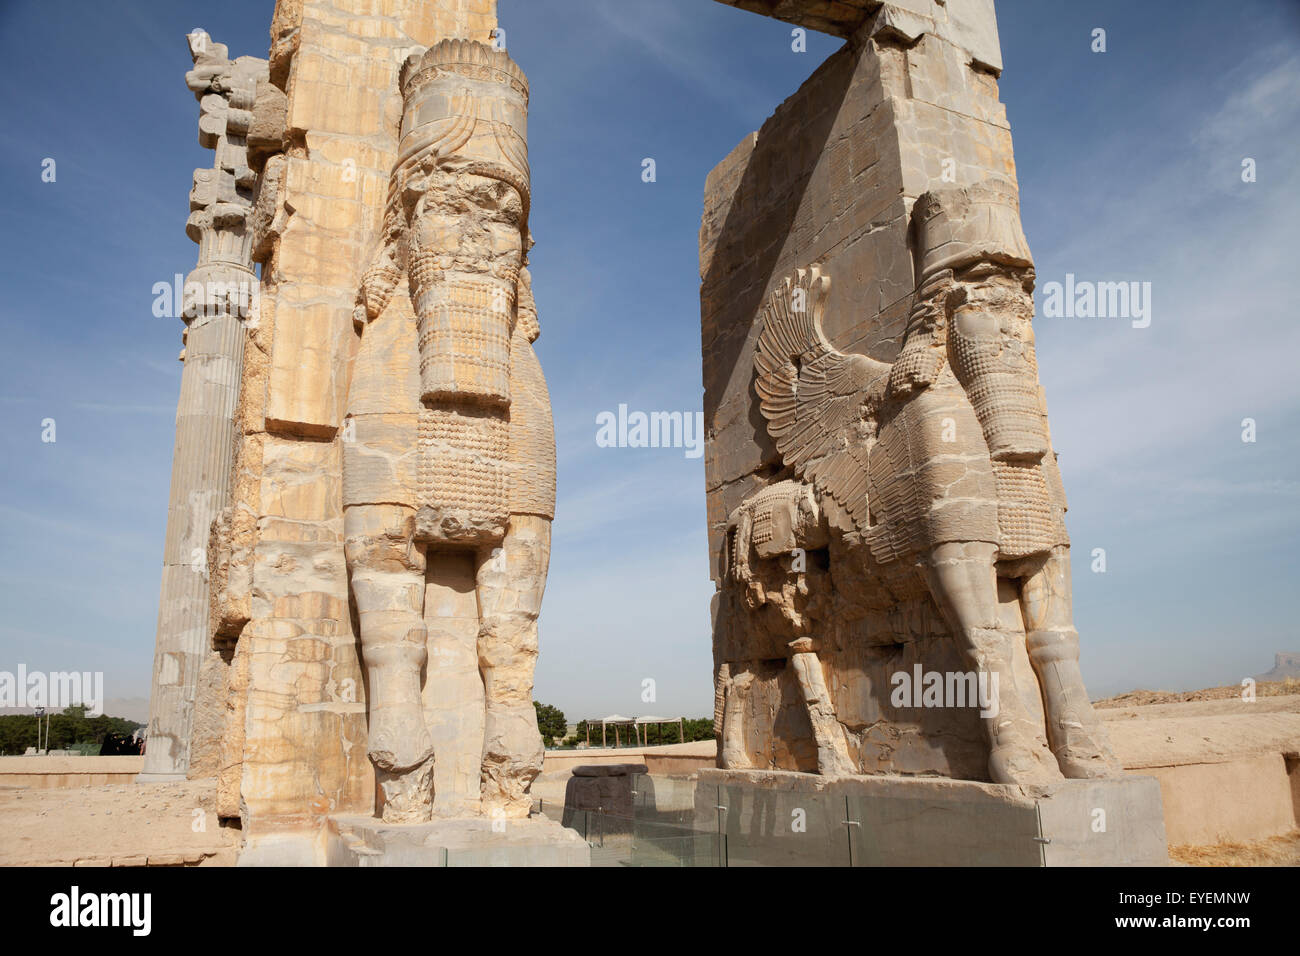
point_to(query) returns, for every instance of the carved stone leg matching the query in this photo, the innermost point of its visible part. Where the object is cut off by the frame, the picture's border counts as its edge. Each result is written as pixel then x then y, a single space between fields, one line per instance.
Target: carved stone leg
pixel 720 678
pixel 453 692
pixel 732 753
pixel 511 580
pixel 1074 731
pixel 963 581
pixel 832 752
pixel 387 577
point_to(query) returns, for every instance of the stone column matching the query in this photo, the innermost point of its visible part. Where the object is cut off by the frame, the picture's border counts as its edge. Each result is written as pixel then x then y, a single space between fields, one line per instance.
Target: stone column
pixel 219 295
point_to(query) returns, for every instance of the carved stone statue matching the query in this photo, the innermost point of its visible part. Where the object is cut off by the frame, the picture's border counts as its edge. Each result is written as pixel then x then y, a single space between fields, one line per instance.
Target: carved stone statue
pixel 929 478
pixel 449 451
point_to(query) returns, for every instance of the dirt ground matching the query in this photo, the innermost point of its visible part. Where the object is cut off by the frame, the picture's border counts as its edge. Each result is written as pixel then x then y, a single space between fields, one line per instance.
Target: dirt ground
pixel 1276 851
pixel 129 825
pixel 170 824
pixel 1140 698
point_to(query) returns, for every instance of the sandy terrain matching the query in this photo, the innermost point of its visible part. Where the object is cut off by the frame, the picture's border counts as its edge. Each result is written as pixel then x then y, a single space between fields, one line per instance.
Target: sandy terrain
pixel 1276 851
pixel 115 825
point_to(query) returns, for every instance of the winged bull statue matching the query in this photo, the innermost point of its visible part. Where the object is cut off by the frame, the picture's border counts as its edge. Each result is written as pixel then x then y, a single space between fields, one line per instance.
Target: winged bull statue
pixel 934 472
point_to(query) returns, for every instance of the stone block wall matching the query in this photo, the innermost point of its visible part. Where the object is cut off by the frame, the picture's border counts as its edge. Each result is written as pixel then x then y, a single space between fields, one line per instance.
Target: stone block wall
pixel 909 104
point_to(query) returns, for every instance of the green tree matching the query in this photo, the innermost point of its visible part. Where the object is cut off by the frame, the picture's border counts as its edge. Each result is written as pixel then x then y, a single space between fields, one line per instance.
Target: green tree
pixel 66 730
pixel 698 728
pixel 551 722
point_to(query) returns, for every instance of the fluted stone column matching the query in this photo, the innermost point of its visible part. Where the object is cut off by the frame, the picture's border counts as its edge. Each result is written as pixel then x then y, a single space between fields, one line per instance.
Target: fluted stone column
pixel 219 296
pixel 200 485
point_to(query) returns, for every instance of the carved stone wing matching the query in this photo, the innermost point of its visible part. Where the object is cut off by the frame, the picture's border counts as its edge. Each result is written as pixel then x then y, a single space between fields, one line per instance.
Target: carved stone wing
pixel 812 395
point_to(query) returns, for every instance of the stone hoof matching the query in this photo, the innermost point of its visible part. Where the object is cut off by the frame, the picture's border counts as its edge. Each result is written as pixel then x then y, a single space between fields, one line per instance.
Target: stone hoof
pixel 1018 764
pixel 1077 767
pixel 1081 757
pixel 408 796
pixel 398 753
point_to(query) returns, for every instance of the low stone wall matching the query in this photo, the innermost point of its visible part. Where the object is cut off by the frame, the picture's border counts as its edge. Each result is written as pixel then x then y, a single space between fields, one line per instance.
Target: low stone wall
pixel 54 773
pixel 122 824
pixel 1228 769
pixel 679 764
pixel 1238 801
pixel 666 759
pixel 781 818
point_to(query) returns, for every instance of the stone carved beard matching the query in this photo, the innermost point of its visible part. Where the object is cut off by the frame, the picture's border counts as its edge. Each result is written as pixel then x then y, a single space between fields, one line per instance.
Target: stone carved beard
pixel 978 322
pixel 991 348
pixel 465 252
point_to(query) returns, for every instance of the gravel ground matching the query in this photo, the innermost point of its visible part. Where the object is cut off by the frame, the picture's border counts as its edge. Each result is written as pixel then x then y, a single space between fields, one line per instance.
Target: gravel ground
pixel 171 824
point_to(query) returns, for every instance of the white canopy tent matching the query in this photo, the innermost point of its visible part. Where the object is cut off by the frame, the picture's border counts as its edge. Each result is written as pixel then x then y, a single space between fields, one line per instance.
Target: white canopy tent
pixel 646 721
pixel 636 723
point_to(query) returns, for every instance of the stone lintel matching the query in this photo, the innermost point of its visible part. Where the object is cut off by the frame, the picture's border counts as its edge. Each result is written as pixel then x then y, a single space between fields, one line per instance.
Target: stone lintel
pixel 970 24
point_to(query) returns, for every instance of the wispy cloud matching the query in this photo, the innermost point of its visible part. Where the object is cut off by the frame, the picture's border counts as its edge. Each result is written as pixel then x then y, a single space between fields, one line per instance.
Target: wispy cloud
pixel 679 48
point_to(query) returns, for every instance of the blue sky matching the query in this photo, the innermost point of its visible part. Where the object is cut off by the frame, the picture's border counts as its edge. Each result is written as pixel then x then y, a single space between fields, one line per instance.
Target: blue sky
pixel 1129 164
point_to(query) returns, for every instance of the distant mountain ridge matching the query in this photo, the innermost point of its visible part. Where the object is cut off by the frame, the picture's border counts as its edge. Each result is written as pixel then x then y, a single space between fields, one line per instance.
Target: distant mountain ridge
pixel 1285 664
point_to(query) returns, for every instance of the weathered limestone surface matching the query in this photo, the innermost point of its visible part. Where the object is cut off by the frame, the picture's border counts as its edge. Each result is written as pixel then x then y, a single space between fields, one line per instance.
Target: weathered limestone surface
pixel 294 747
pixel 220 296
pixel 1229 770
pixel 883 498
pixel 449 463
pixel 539 841
pixel 379 547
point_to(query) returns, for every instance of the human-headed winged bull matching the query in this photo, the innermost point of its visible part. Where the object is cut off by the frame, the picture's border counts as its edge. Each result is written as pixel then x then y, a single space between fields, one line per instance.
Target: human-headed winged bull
pixel 932 475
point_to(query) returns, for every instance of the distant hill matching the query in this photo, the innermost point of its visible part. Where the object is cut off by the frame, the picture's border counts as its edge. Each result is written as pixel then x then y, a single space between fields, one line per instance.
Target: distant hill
pixel 1285 664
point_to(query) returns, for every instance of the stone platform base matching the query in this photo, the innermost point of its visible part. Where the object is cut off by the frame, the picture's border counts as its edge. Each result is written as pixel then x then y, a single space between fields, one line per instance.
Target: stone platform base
pixel 780 818
pixel 537 841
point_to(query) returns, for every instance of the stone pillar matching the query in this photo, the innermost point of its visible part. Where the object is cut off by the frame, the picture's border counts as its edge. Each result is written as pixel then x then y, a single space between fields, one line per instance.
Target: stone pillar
pixel 295 745
pixel 220 294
